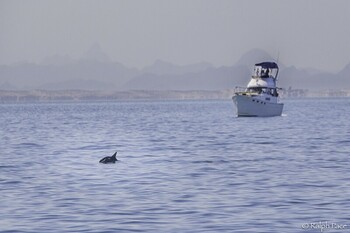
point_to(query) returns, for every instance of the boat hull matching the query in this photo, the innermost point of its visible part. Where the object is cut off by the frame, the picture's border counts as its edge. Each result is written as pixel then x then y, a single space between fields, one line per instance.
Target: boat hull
pixel 248 106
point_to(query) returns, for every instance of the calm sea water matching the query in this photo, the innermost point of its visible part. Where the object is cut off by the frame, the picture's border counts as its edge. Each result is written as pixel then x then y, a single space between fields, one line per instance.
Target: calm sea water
pixel 185 166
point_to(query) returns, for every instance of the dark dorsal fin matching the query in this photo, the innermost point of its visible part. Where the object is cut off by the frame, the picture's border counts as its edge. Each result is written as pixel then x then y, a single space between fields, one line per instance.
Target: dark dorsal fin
pixel 114 156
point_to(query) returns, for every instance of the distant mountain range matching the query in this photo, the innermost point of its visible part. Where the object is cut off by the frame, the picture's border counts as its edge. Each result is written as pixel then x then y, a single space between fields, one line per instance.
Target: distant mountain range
pixel 96 71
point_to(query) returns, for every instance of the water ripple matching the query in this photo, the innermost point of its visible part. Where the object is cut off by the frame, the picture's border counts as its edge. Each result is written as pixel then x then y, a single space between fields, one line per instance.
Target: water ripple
pixel 185 166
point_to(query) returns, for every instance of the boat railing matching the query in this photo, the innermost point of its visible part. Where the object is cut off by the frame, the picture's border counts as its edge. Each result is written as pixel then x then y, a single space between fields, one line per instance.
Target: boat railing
pixel 244 91
pixel 239 89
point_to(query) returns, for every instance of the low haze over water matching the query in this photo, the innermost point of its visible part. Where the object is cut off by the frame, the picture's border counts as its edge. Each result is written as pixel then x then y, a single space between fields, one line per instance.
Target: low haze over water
pixel 185 166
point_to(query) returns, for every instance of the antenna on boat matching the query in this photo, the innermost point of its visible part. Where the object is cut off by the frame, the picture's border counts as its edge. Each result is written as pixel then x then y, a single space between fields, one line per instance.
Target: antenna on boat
pixel 278 57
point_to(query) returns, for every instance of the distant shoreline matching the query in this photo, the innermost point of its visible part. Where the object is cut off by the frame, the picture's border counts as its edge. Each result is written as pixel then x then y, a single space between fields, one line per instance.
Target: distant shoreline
pixel 15 96
pixel 91 95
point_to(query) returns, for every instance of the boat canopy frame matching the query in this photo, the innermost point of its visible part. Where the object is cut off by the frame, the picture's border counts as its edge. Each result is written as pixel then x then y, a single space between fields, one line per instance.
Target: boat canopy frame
pixel 267 66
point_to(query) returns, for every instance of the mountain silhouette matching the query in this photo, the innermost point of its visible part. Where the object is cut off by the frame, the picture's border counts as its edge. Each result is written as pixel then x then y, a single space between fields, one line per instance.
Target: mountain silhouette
pixel 160 67
pixel 209 79
pixel 95 53
pixel 95 71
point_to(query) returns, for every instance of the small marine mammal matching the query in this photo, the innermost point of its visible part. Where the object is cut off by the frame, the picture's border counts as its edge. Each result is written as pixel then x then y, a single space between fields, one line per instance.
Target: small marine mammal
pixel 109 159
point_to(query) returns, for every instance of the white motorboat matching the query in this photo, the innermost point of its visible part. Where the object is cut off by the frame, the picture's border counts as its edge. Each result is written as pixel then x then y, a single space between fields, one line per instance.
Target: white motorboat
pixel 260 97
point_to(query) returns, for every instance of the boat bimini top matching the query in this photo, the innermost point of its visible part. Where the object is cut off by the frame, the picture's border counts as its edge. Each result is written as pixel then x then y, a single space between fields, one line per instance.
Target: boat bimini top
pixel 266 70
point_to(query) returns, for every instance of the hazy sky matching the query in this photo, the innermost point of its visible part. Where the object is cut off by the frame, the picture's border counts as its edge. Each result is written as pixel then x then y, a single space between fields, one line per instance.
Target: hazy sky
pixel 307 33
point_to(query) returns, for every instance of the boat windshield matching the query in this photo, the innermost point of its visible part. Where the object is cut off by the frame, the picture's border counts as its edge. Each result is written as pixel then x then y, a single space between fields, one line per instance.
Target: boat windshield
pixel 260 90
pixel 254 90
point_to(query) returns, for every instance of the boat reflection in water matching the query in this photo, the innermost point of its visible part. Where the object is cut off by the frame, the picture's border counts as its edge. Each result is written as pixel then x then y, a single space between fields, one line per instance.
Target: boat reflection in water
pixel 260 98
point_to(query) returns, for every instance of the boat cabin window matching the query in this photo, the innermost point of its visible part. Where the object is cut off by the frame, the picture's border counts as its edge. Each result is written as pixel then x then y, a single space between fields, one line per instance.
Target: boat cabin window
pixel 274 92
